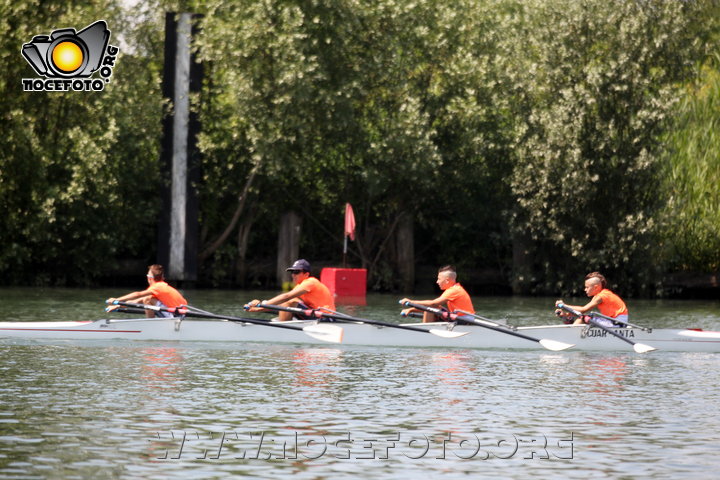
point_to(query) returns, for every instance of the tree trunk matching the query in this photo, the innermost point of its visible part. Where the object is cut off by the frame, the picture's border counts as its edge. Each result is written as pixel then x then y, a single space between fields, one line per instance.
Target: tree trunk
pixel 242 245
pixel 242 198
pixel 405 246
pixel 522 265
pixel 288 244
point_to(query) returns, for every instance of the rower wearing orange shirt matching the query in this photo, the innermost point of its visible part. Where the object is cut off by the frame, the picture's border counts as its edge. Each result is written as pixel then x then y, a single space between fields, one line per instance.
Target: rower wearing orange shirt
pixel 454 296
pixel 604 300
pixel 158 293
pixel 309 292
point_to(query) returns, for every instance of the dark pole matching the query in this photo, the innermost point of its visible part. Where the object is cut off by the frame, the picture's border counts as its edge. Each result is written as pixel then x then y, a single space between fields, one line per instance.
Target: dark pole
pixel 180 157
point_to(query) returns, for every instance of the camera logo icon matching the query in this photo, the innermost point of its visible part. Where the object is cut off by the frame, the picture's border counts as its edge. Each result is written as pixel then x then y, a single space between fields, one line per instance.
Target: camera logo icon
pixel 66 54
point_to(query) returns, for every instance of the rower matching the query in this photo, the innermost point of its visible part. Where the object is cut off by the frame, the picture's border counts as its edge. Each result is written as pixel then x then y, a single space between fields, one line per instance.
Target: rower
pixel 158 294
pixel 611 306
pixel 454 296
pixel 308 293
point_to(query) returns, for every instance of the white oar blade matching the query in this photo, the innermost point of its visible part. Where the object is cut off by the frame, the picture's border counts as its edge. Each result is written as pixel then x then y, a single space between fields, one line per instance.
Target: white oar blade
pixel 554 345
pixel 642 348
pixel 446 333
pixel 326 333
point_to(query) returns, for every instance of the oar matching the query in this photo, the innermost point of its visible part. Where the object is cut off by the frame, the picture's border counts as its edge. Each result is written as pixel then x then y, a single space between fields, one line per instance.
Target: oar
pixel 317 313
pixel 497 324
pixel 553 345
pixel 600 315
pixel 638 347
pixel 327 333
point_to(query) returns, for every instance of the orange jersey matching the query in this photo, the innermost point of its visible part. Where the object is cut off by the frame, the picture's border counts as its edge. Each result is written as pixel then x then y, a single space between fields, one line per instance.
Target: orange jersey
pixel 457 299
pixel 318 295
pixel 167 295
pixel 611 305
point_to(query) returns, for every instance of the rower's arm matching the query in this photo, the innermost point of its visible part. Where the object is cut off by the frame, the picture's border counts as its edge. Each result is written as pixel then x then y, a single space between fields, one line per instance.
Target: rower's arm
pixel 438 302
pixel 284 297
pixel 132 296
pixel 589 306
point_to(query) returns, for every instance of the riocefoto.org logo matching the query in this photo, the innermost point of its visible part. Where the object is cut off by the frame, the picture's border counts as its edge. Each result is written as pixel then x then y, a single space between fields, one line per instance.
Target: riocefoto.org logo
pixel 67 59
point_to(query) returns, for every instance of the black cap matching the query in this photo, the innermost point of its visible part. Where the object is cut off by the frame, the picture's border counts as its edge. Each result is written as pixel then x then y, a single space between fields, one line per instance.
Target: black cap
pixel 301 265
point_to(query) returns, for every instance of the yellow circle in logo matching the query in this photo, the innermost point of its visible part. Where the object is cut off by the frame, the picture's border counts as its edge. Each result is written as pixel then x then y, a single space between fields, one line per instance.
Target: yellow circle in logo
pixel 67 56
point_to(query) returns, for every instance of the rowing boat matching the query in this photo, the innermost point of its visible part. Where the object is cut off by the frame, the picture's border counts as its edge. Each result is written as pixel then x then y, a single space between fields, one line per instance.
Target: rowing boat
pixel 176 329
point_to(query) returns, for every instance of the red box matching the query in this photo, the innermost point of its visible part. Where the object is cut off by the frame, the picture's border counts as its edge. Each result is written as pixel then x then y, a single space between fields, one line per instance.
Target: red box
pixel 345 282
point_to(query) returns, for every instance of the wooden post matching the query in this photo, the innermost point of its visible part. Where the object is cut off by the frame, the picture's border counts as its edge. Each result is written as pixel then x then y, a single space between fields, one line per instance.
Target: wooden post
pixel 180 157
pixel 405 246
pixel 288 245
pixel 522 265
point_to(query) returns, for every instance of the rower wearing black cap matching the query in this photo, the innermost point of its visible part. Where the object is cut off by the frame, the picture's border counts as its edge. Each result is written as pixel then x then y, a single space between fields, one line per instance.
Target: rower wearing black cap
pixel 308 293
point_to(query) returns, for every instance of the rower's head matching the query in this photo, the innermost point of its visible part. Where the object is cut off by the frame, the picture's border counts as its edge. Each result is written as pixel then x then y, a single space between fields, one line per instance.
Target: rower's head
pixel 155 273
pixel 594 283
pixel 300 270
pixel 447 276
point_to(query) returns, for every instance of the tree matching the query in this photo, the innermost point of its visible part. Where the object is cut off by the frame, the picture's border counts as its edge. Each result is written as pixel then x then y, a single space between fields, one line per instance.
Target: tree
pixel 593 86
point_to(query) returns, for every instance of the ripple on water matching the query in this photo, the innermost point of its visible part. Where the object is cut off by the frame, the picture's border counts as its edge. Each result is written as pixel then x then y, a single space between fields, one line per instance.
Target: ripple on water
pixel 149 410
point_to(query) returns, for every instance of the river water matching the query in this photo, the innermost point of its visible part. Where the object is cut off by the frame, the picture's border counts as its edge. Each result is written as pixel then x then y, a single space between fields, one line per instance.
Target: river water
pixel 213 410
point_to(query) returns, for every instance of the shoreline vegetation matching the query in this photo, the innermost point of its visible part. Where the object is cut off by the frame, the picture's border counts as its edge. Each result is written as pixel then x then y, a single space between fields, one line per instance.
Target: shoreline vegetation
pixel 526 142
pixel 479 282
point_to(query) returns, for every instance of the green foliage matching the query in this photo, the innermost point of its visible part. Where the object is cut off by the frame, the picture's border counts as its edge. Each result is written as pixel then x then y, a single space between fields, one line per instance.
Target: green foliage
pixel 77 169
pixel 525 136
pixel 594 87
pixel 693 208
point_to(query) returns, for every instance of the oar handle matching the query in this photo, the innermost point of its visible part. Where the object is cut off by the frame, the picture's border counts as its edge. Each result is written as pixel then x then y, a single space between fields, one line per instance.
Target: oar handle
pixel 568 309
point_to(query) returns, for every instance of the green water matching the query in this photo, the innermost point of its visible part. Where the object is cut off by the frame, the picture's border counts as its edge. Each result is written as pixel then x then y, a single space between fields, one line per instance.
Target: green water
pixel 218 410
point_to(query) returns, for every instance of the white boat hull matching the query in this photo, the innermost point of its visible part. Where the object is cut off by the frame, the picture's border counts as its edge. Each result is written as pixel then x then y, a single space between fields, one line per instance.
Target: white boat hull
pixel 590 339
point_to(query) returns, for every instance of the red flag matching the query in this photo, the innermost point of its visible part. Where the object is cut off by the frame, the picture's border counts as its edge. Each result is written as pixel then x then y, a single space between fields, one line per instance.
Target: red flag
pixel 349 222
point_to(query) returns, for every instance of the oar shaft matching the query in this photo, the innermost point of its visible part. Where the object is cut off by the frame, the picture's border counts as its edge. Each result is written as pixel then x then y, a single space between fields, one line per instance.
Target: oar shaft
pixel 594 322
pixel 188 313
pixel 600 315
pixel 469 319
pixel 339 316
pixel 475 315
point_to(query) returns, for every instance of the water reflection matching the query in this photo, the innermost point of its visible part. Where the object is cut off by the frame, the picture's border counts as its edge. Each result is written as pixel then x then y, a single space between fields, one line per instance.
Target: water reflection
pixel 161 366
pixel 452 368
pixel 77 409
pixel 315 367
pixel 606 376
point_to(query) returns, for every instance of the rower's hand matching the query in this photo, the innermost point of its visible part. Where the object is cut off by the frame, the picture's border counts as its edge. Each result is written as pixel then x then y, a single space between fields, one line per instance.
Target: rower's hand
pixel 110 301
pixel 253 306
pixel 404 301
pixel 405 312
pixel 112 307
pixel 558 302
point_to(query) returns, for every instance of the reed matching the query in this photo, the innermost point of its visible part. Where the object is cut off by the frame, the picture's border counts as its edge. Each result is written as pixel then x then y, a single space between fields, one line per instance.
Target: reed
pixel 693 209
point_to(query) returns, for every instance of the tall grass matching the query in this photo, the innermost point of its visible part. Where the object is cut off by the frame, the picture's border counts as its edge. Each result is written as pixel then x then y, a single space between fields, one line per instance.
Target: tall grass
pixel 693 209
